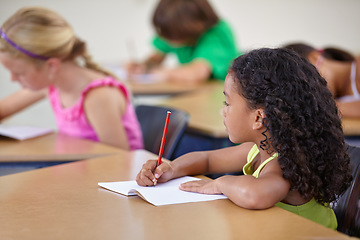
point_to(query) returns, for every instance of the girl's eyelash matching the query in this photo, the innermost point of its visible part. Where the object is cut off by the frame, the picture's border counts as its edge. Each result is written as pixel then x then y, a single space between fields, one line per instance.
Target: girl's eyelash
pixel 225 103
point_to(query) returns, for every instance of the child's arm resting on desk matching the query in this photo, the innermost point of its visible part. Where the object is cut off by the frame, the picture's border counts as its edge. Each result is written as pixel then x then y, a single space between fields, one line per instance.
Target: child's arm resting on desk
pixel 247 191
pixel 19 101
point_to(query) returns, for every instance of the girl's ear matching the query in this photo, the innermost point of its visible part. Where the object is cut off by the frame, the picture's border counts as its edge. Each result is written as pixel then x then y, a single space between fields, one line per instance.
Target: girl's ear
pixel 52 65
pixel 259 117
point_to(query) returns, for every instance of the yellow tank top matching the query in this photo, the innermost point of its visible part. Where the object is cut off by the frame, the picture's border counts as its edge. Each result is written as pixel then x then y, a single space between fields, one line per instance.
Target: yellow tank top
pixel 311 210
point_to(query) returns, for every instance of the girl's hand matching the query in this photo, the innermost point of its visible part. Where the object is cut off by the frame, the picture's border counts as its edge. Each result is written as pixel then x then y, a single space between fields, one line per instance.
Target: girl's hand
pixel 147 176
pixel 201 186
pixel 134 68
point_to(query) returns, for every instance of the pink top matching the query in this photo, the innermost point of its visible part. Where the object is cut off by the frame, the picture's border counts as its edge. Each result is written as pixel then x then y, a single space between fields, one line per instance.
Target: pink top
pixel 73 120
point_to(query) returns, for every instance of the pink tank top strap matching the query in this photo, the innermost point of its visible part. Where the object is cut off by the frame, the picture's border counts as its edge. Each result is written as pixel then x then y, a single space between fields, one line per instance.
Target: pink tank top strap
pixel 108 81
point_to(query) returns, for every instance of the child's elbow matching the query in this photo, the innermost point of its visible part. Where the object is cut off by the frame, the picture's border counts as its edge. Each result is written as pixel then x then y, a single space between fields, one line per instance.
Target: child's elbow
pixel 253 200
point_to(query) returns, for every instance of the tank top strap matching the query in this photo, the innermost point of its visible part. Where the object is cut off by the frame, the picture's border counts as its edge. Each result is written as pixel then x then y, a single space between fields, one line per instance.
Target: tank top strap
pixel 108 81
pixel 248 168
pixel 262 165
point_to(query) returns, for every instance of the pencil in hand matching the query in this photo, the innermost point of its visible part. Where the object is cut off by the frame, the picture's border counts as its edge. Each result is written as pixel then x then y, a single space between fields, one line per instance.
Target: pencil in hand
pixel 162 145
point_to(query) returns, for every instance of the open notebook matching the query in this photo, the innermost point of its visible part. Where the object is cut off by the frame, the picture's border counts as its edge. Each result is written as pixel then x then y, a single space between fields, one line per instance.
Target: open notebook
pixel 162 193
pixel 22 132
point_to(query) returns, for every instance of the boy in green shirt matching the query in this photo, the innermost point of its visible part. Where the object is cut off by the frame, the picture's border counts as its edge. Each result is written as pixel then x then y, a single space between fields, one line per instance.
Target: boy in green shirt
pixel 203 44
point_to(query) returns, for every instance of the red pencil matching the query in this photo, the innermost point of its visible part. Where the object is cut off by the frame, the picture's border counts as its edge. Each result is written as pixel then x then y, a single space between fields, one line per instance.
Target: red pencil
pixel 163 138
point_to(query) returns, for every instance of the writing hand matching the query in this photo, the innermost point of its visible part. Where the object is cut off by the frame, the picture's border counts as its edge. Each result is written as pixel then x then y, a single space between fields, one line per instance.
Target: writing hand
pixel 134 68
pixel 149 175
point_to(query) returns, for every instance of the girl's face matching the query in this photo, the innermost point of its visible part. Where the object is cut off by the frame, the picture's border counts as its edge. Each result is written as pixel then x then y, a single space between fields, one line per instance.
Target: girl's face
pixel 24 72
pixel 238 117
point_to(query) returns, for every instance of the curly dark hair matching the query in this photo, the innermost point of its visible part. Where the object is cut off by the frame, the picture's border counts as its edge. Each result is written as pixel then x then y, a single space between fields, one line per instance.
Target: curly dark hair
pixel 302 121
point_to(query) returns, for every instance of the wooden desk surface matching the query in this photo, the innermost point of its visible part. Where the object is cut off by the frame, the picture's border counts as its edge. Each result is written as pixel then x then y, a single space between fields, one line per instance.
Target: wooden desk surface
pixel 162 88
pixel 51 147
pixel 204 106
pixel 150 88
pixel 351 126
pixel 64 202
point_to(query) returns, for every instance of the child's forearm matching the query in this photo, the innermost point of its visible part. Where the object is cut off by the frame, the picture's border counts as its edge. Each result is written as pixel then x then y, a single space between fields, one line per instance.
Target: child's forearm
pixel 193 163
pixel 231 159
pixel 154 61
pixel 249 192
pixel 238 192
pixel 193 73
pixel 19 101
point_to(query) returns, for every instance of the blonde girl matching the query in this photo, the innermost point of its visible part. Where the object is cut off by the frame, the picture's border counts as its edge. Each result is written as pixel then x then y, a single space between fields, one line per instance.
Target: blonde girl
pixel 42 53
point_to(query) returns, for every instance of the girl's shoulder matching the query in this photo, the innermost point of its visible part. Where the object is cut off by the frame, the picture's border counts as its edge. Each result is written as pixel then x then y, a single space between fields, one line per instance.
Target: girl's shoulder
pixel 106 92
pixel 105 96
pixel 107 84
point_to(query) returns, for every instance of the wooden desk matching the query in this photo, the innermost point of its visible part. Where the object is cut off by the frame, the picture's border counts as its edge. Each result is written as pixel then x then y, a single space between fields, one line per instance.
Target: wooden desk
pixel 165 88
pixel 150 88
pixel 64 202
pixel 351 126
pixel 204 107
pixel 51 147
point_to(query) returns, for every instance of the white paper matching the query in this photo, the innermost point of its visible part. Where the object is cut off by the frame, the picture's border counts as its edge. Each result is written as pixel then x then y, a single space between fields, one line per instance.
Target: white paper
pixel 23 132
pixel 162 193
pixel 145 78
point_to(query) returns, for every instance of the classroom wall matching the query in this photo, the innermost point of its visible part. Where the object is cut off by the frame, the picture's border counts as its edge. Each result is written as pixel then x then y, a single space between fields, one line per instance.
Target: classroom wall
pixel 117 30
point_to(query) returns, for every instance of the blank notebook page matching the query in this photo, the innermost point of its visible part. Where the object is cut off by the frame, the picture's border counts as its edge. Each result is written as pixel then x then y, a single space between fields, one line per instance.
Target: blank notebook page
pixel 162 193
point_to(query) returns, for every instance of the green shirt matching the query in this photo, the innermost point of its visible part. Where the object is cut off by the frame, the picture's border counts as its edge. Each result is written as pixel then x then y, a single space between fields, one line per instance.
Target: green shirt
pixel 216 46
pixel 311 210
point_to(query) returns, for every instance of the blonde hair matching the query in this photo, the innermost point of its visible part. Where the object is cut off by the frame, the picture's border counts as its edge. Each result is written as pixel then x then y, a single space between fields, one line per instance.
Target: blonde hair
pixel 44 32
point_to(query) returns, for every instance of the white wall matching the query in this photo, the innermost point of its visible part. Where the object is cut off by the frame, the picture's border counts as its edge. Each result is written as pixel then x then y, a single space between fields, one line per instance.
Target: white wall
pixel 109 25
pixel 260 23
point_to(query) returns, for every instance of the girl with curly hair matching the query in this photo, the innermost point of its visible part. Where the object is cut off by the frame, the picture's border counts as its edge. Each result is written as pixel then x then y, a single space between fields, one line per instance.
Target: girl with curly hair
pixel 292 150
